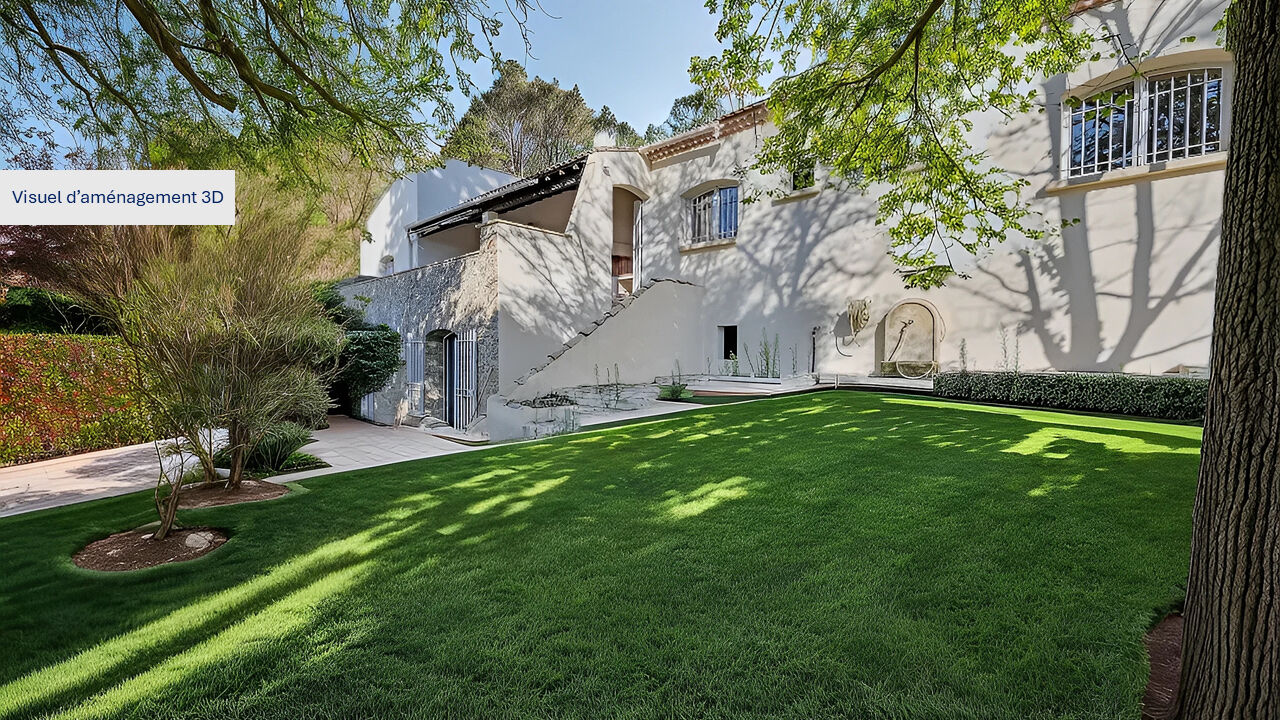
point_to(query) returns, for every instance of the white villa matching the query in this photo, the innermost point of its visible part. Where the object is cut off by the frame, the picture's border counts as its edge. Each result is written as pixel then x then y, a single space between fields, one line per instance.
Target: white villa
pixel 623 263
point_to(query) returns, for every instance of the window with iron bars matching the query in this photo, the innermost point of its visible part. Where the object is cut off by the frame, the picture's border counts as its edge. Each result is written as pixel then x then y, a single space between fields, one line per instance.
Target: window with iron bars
pixel 713 215
pixel 1164 117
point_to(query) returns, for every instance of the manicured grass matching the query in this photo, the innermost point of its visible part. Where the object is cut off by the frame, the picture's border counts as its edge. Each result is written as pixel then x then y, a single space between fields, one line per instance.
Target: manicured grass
pixel 822 555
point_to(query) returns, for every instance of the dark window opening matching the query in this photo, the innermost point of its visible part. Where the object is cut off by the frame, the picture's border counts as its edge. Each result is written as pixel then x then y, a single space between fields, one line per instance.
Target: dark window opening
pixel 728 341
pixel 803 177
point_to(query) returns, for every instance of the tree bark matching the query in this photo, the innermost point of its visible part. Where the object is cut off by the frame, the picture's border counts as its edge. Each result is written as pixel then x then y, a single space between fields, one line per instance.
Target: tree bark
pixel 236 436
pixel 167 507
pixel 1231 636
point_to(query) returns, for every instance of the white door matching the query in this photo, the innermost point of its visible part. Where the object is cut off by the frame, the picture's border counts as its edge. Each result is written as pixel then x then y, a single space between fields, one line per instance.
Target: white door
pixel 637 246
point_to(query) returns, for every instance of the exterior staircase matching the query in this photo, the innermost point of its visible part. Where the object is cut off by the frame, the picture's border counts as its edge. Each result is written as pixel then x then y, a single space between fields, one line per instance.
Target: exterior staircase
pixel 619 305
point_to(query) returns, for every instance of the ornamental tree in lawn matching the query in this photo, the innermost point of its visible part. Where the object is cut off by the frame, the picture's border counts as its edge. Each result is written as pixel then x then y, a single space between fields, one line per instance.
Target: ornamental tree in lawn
pixel 886 105
pixel 224 326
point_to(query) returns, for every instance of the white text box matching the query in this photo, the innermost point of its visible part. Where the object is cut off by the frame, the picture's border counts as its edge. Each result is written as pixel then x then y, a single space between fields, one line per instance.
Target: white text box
pixel 117 197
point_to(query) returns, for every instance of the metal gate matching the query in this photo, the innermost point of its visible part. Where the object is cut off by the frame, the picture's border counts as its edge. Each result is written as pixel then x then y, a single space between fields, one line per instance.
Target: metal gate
pixel 415 392
pixel 465 398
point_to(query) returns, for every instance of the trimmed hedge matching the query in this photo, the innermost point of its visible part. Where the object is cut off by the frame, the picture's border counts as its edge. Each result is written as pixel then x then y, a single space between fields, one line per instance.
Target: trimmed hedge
pixel 1167 398
pixel 66 394
pixel 369 360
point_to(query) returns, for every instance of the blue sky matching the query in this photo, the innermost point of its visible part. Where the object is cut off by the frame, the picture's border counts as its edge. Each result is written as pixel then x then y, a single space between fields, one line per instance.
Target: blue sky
pixel 633 57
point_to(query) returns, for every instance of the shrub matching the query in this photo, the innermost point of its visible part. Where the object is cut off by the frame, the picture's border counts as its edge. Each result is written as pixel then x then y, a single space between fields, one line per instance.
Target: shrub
pixel 273 451
pixel 1169 398
pixel 673 391
pixel 28 310
pixel 369 360
pixel 65 394
pixel 275 447
pixel 303 461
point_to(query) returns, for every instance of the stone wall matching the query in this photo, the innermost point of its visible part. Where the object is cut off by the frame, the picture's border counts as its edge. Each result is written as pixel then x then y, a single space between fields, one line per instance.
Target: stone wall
pixel 456 295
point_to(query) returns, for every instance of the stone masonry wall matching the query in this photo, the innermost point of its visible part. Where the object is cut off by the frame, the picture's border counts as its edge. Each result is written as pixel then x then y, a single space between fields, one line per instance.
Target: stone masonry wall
pixel 456 294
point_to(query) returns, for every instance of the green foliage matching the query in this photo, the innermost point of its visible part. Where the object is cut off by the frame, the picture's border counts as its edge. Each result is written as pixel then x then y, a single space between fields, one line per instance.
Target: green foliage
pixel 623 134
pixel 65 394
pixel 336 308
pixel 31 310
pixel 368 361
pixel 1170 398
pixel 674 391
pixel 273 450
pixel 302 461
pixel 190 82
pixel 688 112
pixel 523 126
pixel 889 104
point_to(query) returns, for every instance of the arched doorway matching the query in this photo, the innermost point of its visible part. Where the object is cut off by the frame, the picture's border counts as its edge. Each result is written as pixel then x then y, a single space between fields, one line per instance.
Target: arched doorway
pixel 439 381
pixel 912 332
pixel 449 376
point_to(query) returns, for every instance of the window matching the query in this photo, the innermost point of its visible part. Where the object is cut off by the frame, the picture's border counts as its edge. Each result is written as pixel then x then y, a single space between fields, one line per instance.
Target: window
pixel 803 178
pixel 728 341
pixel 1102 132
pixel 713 215
pixel 1185 111
pixel 1165 117
pixel 387 266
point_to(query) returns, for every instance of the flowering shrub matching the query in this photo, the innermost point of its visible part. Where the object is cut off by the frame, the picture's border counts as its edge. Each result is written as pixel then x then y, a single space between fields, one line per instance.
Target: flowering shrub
pixel 64 394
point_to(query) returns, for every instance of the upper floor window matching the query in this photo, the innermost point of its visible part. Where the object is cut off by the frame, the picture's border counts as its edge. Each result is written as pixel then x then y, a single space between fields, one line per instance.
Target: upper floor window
pixel 1185 111
pixel 1165 117
pixel 713 215
pixel 387 266
pixel 803 177
pixel 1102 132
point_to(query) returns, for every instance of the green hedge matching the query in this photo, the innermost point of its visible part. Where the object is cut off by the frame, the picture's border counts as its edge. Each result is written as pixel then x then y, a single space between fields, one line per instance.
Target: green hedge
pixel 1169 398
pixel 370 358
pixel 66 394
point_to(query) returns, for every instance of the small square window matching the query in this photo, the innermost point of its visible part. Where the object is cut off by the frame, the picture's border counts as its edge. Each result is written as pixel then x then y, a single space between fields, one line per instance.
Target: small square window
pixel 803 178
pixel 728 341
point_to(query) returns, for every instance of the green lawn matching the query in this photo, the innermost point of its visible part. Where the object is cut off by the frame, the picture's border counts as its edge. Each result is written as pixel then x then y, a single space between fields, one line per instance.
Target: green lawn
pixel 833 554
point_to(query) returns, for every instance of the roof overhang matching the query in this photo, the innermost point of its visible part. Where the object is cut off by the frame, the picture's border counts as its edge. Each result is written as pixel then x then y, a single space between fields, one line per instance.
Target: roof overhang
pixel 551 181
pixel 748 117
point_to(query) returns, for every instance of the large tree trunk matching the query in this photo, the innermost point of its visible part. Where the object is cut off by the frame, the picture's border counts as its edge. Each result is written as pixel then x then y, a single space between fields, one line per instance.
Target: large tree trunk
pixel 1231 638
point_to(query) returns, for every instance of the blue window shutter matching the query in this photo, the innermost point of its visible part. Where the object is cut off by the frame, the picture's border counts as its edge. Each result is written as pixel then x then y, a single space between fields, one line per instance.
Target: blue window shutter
pixel 728 198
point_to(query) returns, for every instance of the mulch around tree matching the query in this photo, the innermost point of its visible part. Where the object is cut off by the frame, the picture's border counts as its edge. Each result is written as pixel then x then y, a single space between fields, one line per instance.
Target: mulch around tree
pixel 215 494
pixel 1164 648
pixel 137 549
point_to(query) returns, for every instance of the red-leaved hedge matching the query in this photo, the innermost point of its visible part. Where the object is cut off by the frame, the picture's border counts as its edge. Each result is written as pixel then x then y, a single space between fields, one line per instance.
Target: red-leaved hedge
pixel 65 394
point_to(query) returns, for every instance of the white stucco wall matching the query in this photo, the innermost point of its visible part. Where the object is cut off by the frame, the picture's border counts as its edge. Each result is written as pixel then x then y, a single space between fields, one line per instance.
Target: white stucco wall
pixel 414 198
pixel 550 285
pixel 658 331
pixel 1129 287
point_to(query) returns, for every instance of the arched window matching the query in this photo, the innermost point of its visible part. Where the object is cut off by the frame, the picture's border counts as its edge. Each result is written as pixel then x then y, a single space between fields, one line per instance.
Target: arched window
pixel 1151 119
pixel 713 215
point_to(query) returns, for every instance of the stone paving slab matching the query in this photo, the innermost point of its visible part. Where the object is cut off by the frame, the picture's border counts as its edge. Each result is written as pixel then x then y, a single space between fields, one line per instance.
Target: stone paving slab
pixel 346 444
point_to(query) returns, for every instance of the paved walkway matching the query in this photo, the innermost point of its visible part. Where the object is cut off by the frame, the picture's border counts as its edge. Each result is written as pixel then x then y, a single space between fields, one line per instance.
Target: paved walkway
pixel 346 445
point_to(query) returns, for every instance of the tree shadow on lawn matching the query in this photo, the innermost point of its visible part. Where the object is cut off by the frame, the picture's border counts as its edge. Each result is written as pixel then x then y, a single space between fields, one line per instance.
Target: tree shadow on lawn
pixel 823 553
